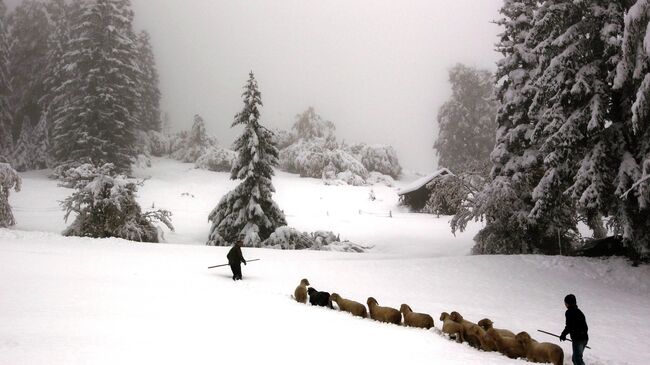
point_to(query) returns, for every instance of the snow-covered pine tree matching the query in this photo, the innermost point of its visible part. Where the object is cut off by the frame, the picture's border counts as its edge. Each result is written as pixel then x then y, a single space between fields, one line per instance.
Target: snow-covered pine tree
pixel 310 125
pixel 578 47
pixel 149 101
pixel 6 117
pixel 97 120
pixel 9 179
pixel 466 121
pixel 29 31
pixel 198 136
pixel 249 209
pixel 505 201
pixel 105 206
pixel 632 203
pixel 61 15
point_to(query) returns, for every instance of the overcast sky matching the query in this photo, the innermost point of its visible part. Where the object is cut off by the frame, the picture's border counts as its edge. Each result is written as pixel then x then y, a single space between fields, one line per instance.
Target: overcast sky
pixel 376 68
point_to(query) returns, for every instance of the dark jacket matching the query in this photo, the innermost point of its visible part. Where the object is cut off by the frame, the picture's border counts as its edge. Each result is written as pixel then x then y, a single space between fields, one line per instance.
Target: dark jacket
pixel 235 256
pixel 576 324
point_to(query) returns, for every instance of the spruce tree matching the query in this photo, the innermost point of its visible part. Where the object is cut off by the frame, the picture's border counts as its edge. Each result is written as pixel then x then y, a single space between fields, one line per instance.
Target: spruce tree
pixel 577 43
pixel 6 118
pixel 97 120
pixel 149 101
pixel 9 179
pixel 29 32
pixel 466 121
pixel 249 209
pixel 632 182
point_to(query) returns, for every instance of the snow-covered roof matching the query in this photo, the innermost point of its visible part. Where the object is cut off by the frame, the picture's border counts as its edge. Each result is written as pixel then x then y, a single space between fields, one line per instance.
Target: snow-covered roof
pixel 417 184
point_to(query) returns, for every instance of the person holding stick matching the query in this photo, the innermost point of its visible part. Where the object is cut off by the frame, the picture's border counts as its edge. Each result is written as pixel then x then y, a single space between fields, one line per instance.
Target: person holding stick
pixel 576 326
pixel 235 259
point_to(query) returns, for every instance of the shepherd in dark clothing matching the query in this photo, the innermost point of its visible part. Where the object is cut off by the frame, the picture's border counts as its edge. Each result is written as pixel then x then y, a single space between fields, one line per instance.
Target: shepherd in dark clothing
pixel 235 259
pixel 576 326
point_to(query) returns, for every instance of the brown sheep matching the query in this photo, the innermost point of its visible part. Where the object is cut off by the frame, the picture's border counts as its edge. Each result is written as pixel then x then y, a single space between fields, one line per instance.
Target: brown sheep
pixel 350 306
pixel 486 324
pixel 383 314
pixel 453 329
pixel 508 346
pixel 471 331
pixel 300 294
pixel 412 319
pixel 544 352
pixel 478 338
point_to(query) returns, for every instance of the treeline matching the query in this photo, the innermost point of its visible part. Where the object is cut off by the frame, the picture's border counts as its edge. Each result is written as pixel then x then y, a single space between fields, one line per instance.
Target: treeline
pixel 572 130
pixel 77 84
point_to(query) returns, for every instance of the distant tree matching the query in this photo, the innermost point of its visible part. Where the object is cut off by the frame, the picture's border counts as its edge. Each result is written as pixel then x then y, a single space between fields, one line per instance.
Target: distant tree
pixel 149 101
pixel 6 117
pixel 29 30
pixel 198 136
pixel 98 119
pixel 9 179
pixel 249 209
pixel 466 122
pixel 506 201
pixel 310 125
pixel 105 206
pixel 166 123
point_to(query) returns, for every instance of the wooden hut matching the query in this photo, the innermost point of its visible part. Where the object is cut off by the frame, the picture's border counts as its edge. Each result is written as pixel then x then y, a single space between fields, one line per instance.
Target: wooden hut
pixel 416 194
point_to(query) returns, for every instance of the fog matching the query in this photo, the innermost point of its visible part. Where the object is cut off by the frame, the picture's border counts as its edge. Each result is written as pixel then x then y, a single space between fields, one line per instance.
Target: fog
pixel 376 68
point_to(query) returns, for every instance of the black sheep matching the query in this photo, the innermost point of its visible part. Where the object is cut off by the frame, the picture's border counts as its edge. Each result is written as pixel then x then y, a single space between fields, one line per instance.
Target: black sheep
pixel 321 298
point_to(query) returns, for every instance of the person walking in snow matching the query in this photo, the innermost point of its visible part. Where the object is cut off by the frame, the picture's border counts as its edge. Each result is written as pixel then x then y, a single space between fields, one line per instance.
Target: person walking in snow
pixel 235 259
pixel 576 326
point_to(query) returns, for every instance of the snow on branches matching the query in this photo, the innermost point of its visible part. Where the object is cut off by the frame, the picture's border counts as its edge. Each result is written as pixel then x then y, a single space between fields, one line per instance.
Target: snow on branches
pixel 249 210
pixel 9 179
pixel 104 205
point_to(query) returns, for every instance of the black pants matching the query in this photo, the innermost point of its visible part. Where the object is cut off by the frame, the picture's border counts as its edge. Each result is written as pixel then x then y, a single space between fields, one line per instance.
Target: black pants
pixel 236 270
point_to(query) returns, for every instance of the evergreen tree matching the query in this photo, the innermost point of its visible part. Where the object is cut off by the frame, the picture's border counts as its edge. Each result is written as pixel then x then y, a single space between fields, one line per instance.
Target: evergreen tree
pixel 9 179
pixel 105 206
pixel 466 122
pixel 29 31
pixel 6 118
pixel 149 101
pixel 198 136
pixel 632 206
pixel 97 120
pixel 577 45
pixel 249 209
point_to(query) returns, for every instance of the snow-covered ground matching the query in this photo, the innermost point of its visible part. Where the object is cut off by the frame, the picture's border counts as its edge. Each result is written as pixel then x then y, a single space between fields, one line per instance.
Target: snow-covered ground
pixel 87 301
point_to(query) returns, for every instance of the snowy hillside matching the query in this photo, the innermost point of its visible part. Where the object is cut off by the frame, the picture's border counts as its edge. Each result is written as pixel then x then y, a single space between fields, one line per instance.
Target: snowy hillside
pixel 86 301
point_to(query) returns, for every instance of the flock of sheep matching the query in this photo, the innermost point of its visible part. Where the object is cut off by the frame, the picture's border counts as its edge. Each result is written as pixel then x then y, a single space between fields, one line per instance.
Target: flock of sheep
pixel 481 336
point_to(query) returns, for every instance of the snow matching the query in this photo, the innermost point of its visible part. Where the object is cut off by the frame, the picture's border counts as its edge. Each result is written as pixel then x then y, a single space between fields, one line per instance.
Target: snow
pixel 417 184
pixel 89 301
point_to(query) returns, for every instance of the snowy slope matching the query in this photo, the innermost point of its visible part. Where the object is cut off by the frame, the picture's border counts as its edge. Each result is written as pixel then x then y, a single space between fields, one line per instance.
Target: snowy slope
pixel 86 301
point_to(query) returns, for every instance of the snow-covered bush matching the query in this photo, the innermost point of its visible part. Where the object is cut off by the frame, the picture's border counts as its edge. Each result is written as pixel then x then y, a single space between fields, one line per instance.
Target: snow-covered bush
pixel 380 158
pixel 318 158
pixel 287 238
pixel 377 178
pixel 216 159
pixel 189 147
pixel 283 139
pixel 9 179
pixel 159 143
pixel 105 206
